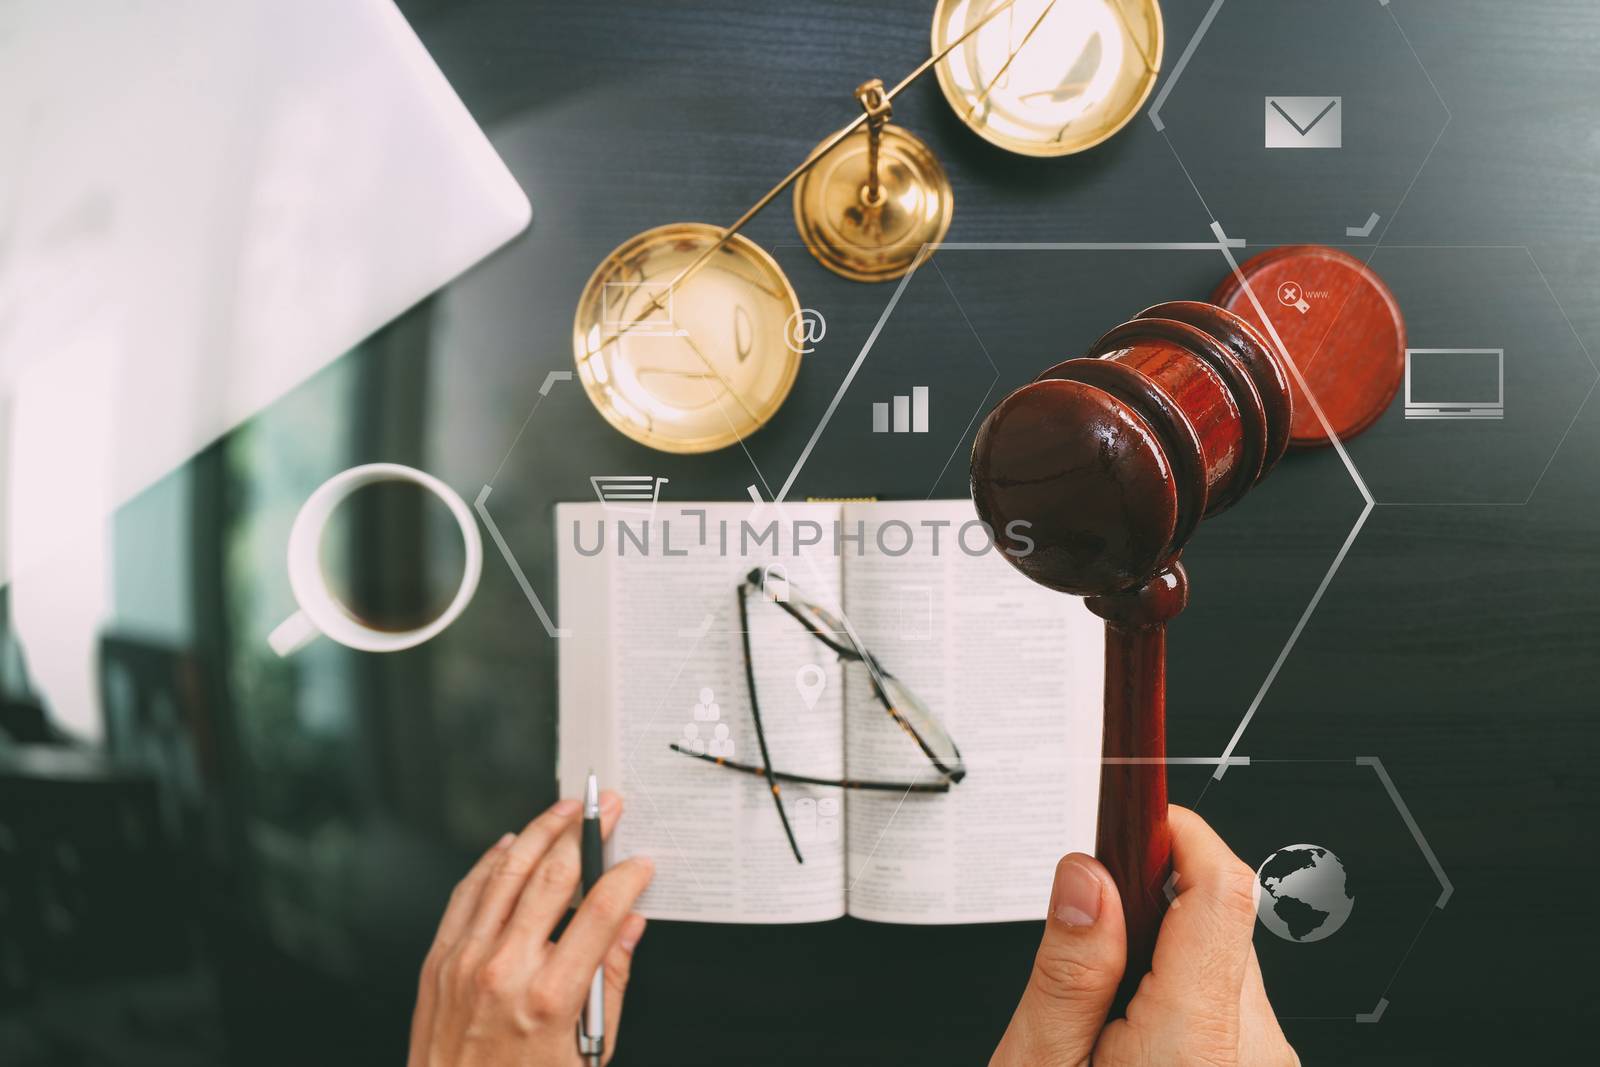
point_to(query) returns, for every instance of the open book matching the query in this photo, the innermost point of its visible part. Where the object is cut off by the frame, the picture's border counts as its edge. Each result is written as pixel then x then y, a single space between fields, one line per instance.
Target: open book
pixel 655 657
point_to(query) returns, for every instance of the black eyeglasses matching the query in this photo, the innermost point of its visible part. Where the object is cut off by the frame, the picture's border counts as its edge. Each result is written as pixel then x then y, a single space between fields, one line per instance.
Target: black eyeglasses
pixel 903 706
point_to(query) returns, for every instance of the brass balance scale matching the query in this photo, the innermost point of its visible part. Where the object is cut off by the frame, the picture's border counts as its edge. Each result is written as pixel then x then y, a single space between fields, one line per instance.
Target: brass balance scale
pixel 682 334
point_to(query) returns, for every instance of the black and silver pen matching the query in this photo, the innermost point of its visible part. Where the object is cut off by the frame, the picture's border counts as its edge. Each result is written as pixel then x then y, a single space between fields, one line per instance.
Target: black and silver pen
pixel 592 1027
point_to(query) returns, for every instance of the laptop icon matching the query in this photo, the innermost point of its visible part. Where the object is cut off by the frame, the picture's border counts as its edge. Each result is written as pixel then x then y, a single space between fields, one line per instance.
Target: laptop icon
pixel 1455 383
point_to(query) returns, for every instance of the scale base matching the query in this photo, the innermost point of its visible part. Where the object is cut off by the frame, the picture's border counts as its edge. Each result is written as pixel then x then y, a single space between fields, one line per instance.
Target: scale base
pixel 1340 321
pixel 856 238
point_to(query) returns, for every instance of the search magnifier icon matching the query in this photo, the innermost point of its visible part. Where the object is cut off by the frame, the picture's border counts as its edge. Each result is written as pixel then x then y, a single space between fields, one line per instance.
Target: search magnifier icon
pixel 1290 295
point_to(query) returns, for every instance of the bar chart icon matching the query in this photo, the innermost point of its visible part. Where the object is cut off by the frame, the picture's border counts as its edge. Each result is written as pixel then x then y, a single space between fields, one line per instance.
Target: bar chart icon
pixel 910 413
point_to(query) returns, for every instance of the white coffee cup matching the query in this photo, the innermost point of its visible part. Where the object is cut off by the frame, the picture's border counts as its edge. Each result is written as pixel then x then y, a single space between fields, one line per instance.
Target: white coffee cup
pixel 320 611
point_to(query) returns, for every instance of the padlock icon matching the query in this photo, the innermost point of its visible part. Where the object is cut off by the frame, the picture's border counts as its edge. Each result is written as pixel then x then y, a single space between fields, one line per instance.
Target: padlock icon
pixel 775 583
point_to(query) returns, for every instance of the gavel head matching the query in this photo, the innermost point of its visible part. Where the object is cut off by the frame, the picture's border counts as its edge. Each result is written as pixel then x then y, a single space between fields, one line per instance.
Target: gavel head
pixel 1112 459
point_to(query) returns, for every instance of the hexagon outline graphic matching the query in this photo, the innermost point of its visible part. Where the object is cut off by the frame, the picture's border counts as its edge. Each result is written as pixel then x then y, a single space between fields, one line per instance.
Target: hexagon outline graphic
pixel 1223 244
pixel 1572 422
pixel 1446 887
pixel 1154 112
pixel 481 505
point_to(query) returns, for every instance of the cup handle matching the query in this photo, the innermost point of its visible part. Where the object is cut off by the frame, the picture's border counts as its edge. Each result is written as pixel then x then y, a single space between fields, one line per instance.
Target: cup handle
pixel 292 634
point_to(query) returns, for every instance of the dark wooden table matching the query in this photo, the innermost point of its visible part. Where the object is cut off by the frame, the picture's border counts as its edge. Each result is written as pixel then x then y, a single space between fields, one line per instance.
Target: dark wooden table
pixel 1455 641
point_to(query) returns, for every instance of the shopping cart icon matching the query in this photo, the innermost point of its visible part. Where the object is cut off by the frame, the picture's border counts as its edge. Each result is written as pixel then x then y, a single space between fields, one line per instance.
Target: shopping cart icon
pixel 628 492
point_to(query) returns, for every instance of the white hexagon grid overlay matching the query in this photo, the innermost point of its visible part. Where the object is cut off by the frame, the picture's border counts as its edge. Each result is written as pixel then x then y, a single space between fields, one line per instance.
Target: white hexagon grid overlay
pixel 1222 244
pixel 1225 246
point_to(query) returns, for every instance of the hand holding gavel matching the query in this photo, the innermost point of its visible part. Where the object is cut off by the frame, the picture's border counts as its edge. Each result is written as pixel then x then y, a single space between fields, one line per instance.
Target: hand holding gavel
pixel 1113 459
pixel 1203 1001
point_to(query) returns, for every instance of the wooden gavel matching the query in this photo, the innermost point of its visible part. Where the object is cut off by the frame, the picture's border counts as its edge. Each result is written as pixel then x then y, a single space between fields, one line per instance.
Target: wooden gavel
pixel 1112 459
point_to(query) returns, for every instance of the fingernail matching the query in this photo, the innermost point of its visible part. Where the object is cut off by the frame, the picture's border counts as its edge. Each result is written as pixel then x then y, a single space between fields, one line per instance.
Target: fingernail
pixel 505 839
pixel 610 802
pixel 632 931
pixel 643 861
pixel 1076 900
pixel 565 806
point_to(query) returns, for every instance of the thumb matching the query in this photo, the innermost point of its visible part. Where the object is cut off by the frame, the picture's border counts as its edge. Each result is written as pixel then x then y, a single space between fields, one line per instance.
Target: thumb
pixel 1075 973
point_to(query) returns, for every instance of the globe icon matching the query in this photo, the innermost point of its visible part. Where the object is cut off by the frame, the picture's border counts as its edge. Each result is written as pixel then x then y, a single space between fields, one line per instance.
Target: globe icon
pixel 1302 893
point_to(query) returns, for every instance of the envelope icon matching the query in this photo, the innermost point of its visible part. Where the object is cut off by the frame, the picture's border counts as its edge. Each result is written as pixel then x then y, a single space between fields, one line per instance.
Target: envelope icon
pixel 1305 121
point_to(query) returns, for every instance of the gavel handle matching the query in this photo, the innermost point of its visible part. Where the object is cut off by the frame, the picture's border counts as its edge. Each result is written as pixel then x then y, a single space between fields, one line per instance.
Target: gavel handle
pixel 1133 839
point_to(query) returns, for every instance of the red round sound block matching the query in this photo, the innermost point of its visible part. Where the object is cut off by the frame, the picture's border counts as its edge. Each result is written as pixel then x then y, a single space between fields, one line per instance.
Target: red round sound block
pixel 1341 326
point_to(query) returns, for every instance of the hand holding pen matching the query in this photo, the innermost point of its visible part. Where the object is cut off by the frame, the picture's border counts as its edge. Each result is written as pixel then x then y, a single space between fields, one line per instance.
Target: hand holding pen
pixel 495 990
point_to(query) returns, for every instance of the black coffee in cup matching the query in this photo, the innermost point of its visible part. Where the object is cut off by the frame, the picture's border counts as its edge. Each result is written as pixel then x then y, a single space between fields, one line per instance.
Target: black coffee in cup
pixel 392 555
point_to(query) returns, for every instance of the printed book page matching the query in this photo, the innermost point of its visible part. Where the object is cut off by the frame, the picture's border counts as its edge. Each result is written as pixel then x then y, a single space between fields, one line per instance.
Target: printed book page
pixel 656 657
pixel 1015 672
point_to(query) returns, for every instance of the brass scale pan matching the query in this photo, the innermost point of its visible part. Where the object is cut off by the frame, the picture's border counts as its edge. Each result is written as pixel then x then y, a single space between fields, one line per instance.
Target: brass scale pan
pixel 683 336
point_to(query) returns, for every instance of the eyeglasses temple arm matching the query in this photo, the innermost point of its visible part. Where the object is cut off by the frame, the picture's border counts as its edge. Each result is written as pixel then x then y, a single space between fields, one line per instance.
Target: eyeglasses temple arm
pixel 761 734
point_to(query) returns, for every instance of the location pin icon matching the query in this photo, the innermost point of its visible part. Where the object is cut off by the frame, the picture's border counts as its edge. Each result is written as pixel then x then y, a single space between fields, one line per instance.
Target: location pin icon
pixel 810 680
